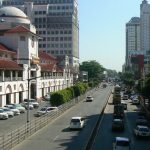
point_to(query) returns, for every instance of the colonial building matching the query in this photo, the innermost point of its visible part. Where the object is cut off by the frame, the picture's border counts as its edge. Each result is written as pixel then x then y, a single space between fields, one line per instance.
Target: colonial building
pixel 26 72
pixel 57 23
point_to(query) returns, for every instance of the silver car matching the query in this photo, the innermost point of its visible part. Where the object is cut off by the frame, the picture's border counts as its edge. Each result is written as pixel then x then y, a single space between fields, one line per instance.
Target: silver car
pixel 16 111
pixel 19 107
pixel 3 115
pixel 9 112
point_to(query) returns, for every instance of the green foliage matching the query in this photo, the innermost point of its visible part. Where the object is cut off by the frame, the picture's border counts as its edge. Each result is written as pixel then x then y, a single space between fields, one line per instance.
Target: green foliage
pixel 65 95
pixel 146 88
pixel 94 69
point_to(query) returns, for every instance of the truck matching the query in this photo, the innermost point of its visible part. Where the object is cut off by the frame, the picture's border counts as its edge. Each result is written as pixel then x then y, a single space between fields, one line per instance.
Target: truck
pixel 117 95
pixel 118 111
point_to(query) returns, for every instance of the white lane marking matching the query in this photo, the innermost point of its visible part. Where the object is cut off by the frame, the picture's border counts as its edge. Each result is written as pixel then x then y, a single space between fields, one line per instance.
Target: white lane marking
pixel 56 138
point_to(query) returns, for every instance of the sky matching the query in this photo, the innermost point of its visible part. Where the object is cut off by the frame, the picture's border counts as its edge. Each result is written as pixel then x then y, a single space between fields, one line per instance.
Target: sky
pixel 102 30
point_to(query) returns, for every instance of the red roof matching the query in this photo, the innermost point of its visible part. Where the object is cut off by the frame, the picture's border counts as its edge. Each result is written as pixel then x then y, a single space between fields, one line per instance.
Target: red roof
pixel 5 49
pixel 19 29
pixel 59 69
pixel 47 67
pixel 9 65
pixel 45 56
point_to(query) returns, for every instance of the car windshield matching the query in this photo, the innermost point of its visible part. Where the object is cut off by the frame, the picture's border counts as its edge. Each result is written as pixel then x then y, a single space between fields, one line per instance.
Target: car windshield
pixel 43 109
pixel 12 107
pixel 6 109
pixel 123 143
pixel 89 96
pixel 1 111
pixel 75 120
pixel 144 129
pixel 18 105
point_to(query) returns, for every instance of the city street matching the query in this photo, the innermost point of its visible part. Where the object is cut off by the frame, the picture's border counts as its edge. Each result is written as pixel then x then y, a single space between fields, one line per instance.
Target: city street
pixel 105 135
pixel 57 134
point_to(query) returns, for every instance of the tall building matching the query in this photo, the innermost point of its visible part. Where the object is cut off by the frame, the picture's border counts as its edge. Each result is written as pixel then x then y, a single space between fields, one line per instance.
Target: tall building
pixel 132 37
pixel 145 23
pixel 56 22
pixel 145 33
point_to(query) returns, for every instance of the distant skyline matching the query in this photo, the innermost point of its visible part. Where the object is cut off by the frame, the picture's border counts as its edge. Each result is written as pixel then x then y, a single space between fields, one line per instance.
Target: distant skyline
pixel 102 30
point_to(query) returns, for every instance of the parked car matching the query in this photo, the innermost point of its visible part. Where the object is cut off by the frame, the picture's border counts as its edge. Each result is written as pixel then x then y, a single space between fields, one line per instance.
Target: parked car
pixel 19 107
pixel 25 105
pixel 45 110
pixel 9 112
pixel 89 98
pixel 47 97
pixel 16 111
pixel 77 123
pixel 3 115
pixel 142 131
pixel 33 101
pixel 117 125
pixel 121 143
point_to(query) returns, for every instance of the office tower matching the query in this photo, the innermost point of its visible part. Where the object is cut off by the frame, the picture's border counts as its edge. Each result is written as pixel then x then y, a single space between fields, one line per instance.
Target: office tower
pixel 145 33
pixel 57 24
pixel 132 38
pixel 145 23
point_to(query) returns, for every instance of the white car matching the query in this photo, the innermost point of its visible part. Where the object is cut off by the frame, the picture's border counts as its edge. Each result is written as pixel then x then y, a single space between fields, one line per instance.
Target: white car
pixel 77 123
pixel 33 101
pixel 3 115
pixel 121 143
pixel 25 105
pixel 19 107
pixel 89 98
pixel 142 131
pixel 9 112
pixel 16 111
pixel 45 110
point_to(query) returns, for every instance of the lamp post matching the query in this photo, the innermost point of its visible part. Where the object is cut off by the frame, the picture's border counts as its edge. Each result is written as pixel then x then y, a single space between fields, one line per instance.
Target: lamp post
pixel 28 95
pixel 29 79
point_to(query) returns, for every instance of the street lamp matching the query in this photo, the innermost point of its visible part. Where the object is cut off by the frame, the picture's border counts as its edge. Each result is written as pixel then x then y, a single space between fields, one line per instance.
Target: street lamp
pixel 29 79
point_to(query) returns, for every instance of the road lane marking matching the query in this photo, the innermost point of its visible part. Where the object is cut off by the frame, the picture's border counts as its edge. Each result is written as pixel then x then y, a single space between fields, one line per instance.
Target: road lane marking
pixel 56 138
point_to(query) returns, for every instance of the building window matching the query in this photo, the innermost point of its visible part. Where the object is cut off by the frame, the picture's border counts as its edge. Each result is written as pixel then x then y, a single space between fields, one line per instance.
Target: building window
pixel 14 87
pixel 22 38
pixel 0 88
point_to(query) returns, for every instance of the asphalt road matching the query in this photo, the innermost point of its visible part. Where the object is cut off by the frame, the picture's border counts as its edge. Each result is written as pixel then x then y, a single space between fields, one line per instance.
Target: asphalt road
pixel 57 135
pixel 105 136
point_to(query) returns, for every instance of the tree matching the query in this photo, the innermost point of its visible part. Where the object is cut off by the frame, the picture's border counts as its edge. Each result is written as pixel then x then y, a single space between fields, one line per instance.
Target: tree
pixel 94 69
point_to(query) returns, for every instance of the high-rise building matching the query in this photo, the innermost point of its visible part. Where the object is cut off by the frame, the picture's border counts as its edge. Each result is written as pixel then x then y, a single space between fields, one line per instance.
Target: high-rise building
pixel 56 22
pixel 145 23
pixel 145 33
pixel 132 37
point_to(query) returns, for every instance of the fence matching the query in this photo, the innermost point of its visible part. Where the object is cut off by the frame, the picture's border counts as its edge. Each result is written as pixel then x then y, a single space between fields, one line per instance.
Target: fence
pixel 13 138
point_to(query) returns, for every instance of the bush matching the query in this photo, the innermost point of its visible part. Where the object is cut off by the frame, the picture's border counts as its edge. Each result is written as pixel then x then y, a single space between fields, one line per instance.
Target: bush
pixel 65 95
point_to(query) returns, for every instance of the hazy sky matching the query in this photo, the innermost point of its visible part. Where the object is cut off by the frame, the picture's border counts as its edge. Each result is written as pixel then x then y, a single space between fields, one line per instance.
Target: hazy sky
pixel 102 30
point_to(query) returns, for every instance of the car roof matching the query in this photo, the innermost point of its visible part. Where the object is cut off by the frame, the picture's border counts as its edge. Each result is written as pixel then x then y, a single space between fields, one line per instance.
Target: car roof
pixel 140 126
pixel 76 117
pixel 117 119
pixel 122 139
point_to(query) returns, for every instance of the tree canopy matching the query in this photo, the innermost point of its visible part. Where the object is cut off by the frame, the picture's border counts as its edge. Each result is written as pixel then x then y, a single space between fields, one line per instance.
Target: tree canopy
pixel 94 69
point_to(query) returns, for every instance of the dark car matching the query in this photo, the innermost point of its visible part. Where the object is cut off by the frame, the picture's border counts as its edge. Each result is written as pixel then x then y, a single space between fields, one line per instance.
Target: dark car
pixel 141 121
pixel 117 125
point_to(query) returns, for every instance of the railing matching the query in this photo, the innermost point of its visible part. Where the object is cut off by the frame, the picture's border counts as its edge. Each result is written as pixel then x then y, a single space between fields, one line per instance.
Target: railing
pixel 14 137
